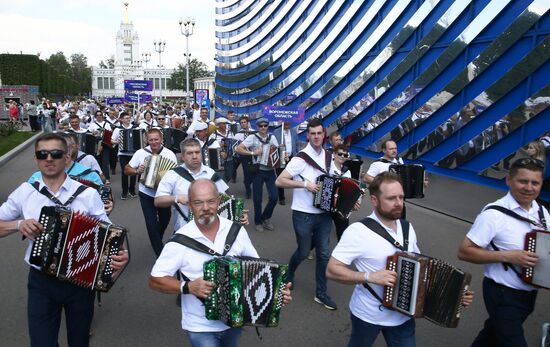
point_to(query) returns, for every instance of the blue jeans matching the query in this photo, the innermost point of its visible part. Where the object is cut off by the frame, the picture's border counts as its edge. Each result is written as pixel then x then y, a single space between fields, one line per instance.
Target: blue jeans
pixel 259 178
pixel 47 297
pixel 156 221
pixel 508 308
pixel 312 230
pixel 247 177
pixel 364 334
pixel 226 338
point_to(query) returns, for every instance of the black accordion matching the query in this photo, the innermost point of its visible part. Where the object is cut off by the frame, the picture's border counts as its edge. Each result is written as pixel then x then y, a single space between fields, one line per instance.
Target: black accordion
pixel 412 179
pixel 248 291
pixel 213 158
pixel 538 241
pixel 88 143
pixel 131 140
pixel 337 194
pixel 172 138
pixel 77 248
pixel 426 287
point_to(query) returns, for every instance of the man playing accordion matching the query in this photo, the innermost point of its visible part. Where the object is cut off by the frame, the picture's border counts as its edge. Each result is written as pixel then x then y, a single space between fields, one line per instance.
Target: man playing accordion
pixel 20 213
pixel 210 230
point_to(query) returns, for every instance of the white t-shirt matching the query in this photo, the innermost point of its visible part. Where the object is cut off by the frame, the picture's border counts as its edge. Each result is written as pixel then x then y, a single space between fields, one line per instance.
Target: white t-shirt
pixel 116 137
pixel 89 161
pixel 172 183
pixel 98 126
pixel 378 167
pixel 139 157
pixel 176 257
pixel 507 233
pixel 368 251
pixel 302 199
pixel 252 142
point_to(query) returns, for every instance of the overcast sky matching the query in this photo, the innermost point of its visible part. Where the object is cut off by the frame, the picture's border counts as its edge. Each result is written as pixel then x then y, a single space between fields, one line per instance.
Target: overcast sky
pixel 90 28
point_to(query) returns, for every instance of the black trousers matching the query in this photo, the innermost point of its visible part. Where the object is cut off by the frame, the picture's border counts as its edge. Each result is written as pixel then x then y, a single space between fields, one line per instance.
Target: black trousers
pixel 340 224
pixel 508 308
pixel 113 158
pixel 128 182
pixel 33 122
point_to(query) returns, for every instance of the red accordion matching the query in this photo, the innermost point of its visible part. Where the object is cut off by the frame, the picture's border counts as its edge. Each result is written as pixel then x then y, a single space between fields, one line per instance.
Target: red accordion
pixel 538 241
pixel 106 137
pixel 337 194
pixel 77 248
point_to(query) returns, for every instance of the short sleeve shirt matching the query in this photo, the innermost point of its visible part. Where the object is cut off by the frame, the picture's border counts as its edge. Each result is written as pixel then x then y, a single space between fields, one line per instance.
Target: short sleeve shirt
pixel 139 157
pixel 378 167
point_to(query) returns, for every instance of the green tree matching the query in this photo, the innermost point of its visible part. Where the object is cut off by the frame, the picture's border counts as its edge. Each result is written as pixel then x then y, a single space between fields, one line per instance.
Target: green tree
pixel 59 62
pixel 80 71
pixel 197 69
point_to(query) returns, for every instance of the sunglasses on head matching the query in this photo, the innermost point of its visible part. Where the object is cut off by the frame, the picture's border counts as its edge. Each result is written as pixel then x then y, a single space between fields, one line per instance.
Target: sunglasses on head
pixel 262 125
pixel 528 161
pixel 55 153
pixel 341 154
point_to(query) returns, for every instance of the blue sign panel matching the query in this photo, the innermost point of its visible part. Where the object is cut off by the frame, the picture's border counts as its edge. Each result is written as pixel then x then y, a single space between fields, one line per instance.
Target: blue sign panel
pixel 294 115
pixel 138 85
pixel 114 101
pixel 129 97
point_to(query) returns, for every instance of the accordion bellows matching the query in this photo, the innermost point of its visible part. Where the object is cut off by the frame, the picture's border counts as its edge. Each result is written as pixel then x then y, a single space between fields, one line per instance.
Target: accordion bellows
pixel 426 287
pixel 156 167
pixel 77 248
pixel 248 291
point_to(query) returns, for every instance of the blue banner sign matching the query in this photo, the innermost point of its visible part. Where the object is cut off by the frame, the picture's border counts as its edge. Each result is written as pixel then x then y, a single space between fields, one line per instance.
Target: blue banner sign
pixel 294 115
pixel 129 97
pixel 138 85
pixel 114 101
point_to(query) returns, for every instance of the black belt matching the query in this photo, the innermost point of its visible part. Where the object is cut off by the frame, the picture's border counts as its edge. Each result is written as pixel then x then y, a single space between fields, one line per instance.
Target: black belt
pixel 511 290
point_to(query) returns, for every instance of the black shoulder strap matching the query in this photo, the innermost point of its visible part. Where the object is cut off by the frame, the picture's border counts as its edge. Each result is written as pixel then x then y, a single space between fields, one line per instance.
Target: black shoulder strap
pixel 216 177
pixel 183 173
pixel 377 228
pixel 311 162
pixel 44 191
pixel 208 143
pixel 81 157
pixel 200 247
pixel 384 160
pixel 380 230
pixel 519 217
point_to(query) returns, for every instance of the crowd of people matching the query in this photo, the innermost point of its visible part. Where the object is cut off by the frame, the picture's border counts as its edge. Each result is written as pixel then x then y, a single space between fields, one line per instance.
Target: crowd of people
pixel 190 191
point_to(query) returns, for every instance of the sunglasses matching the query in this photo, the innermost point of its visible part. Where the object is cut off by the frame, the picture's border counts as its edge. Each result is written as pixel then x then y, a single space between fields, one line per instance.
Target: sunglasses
pixel 345 155
pixel 262 126
pixel 160 118
pixel 55 153
pixel 523 162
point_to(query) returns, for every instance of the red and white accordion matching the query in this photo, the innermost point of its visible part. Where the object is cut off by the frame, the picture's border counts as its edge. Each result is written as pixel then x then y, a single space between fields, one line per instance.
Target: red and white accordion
pixel 426 287
pixel 107 137
pixel 77 248
pixel 337 194
pixel 272 156
pixel 412 179
pixel 538 241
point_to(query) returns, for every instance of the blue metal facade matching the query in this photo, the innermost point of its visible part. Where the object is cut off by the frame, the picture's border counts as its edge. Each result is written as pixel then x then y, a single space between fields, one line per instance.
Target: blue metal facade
pixel 462 86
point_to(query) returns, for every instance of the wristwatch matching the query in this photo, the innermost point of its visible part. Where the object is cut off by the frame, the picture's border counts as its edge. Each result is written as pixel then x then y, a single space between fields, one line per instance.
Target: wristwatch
pixel 184 289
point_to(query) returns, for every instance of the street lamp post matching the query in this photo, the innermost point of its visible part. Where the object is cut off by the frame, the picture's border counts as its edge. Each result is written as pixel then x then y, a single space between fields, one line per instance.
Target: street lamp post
pixel 187 30
pixel 146 57
pixel 159 50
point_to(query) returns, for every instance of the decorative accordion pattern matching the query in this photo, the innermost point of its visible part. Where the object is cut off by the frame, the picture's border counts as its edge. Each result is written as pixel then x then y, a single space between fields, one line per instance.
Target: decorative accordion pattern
pixel 426 287
pixel 230 146
pixel 337 194
pixel 88 143
pixel 538 241
pixel 155 167
pixel 131 140
pixel 412 179
pixel 248 291
pixel 77 248
pixel 271 156
pixel 230 207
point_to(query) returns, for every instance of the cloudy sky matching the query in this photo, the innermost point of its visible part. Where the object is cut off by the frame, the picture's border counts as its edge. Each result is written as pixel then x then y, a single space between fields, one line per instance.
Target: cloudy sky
pixel 90 27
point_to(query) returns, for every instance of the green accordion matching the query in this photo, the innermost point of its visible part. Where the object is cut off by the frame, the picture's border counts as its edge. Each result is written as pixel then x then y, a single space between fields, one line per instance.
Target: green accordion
pixel 248 291
pixel 230 207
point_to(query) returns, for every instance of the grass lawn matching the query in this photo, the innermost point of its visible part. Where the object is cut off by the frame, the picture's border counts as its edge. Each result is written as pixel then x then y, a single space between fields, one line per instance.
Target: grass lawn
pixel 9 142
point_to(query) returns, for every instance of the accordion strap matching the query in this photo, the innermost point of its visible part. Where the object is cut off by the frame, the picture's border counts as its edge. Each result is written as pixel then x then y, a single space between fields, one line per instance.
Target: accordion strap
pixel 513 214
pixel 81 157
pixel 200 247
pixel 44 191
pixel 305 157
pixel 377 228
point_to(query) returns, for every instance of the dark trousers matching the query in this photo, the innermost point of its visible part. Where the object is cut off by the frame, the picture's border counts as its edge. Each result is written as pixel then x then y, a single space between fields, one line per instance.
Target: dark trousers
pixel 508 308
pixel 340 224
pixel 236 163
pixel 245 162
pixel 128 182
pixel 156 221
pixel 364 334
pixel 47 297
pixel 228 170
pixel 113 158
pixel 281 191
pixel 33 122
pixel 104 158
pixel 268 177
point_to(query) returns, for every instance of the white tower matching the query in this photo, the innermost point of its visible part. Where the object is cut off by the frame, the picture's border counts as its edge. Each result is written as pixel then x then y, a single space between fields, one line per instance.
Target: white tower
pixel 127 42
